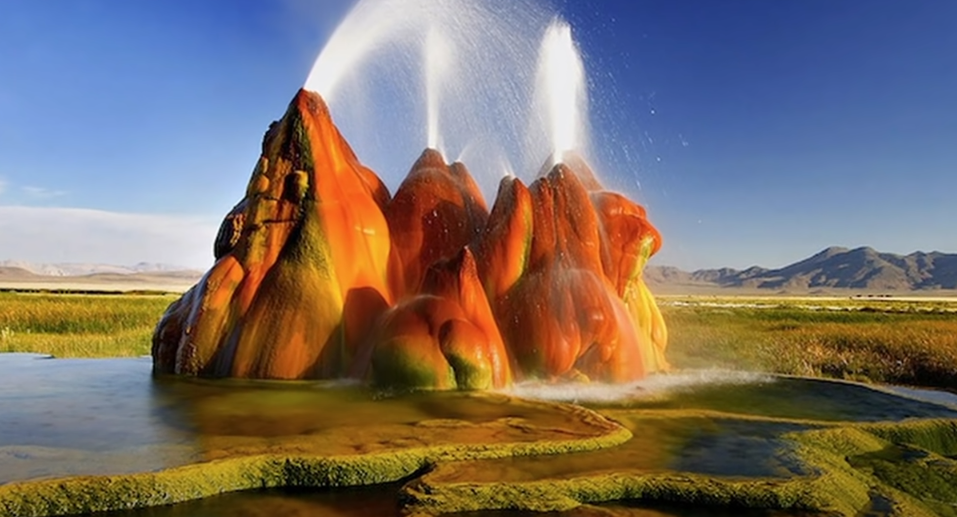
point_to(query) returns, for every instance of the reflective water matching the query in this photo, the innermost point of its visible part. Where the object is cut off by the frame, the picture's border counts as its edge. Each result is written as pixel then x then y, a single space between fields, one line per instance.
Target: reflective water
pixel 700 445
pixel 65 417
pixel 719 428
pixel 796 398
pixel 68 417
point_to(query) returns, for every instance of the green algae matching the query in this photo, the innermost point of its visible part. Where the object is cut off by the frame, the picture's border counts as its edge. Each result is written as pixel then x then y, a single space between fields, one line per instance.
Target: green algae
pixel 641 469
pixel 926 476
pixel 843 468
pixel 915 461
pixel 686 442
pixel 399 362
pixel 364 501
pixel 256 463
pixel 565 494
pixel 848 487
pixel 85 494
pixel 476 452
pixel 937 435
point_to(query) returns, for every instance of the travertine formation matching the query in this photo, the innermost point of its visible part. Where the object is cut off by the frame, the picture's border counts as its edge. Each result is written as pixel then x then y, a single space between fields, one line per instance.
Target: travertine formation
pixel 320 273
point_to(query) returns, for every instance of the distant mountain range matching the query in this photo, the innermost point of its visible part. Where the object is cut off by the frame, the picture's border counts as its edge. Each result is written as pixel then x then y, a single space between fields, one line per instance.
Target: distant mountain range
pixel 836 268
pixel 72 269
pixel 15 275
pixel 863 269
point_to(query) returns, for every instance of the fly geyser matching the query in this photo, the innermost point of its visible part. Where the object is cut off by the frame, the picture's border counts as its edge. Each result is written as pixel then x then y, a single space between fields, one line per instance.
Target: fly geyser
pixel 321 273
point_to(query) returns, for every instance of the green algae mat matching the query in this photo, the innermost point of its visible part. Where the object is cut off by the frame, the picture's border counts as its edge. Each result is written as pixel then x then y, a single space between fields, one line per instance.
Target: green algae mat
pixel 86 436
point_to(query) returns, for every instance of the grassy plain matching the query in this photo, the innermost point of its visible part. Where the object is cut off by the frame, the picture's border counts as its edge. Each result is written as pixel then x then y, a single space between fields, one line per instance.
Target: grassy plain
pixel 75 325
pixel 892 340
pixel 889 340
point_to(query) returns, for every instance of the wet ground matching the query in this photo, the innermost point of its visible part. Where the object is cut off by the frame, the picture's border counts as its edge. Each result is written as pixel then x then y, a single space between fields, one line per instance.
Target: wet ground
pixel 109 416
pixel 63 418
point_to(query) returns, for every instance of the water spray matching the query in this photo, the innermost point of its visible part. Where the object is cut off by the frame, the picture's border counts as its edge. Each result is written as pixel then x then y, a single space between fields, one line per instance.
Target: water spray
pixel 463 69
pixel 437 63
pixel 562 79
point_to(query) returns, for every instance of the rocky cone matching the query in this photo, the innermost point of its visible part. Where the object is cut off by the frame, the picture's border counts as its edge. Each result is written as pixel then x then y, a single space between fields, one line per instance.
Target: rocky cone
pixel 321 274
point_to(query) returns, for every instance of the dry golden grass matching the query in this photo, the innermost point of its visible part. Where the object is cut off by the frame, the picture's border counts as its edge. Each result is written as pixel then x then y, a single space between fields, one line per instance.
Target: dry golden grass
pixel 881 341
pixel 895 341
pixel 66 325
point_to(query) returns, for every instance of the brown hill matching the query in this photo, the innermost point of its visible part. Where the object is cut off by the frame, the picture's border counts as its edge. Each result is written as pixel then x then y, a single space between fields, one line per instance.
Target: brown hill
pixel 16 273
pixel 862 269
pixel 19 279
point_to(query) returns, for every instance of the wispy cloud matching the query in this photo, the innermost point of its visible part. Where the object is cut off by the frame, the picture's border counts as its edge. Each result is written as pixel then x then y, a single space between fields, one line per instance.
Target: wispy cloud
pixel 41 192
pixel 3 186
pixel 44 234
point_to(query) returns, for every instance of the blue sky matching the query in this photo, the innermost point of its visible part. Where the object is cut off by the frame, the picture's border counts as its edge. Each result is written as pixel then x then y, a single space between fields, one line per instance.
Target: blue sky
pixel 756 132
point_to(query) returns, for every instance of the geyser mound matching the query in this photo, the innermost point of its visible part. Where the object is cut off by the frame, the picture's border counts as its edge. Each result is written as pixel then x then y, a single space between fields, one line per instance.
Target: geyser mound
pixel 320 273
pixel 305 274
pixel 436 211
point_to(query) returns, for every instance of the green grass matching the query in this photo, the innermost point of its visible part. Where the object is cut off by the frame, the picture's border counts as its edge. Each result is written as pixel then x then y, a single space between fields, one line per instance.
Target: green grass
pixel 879 341
pixel 911 464
pixel 67 325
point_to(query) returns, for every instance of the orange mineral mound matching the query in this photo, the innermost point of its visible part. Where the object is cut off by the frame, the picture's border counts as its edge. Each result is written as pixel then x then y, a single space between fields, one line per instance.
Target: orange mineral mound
pixel 437 210
pixel 443 337
pixel 310 245
pixel 552 259
pixel 321 274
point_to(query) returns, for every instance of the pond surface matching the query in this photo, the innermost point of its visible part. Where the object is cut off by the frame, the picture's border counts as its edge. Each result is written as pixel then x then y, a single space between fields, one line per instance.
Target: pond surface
pixel 797 398
pixel 68 417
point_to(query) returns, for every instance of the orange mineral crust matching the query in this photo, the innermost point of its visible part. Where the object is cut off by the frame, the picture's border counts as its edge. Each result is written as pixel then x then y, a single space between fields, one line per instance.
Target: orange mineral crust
pixel 313 244
pixel 320 273
pixel 443 337
pixel 437 210
pixel 549 258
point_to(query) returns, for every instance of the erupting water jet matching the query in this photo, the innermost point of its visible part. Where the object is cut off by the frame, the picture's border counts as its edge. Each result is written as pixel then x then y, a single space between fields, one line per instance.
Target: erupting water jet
pixel 437 62
pixel 376 72
pixel 561 80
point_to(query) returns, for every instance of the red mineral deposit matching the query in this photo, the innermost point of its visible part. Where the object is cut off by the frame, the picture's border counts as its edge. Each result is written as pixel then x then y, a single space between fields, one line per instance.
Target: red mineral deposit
pixel 313 246
pixel 551 262
pixel 321 274
pixel 443 337
pixel 437 210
